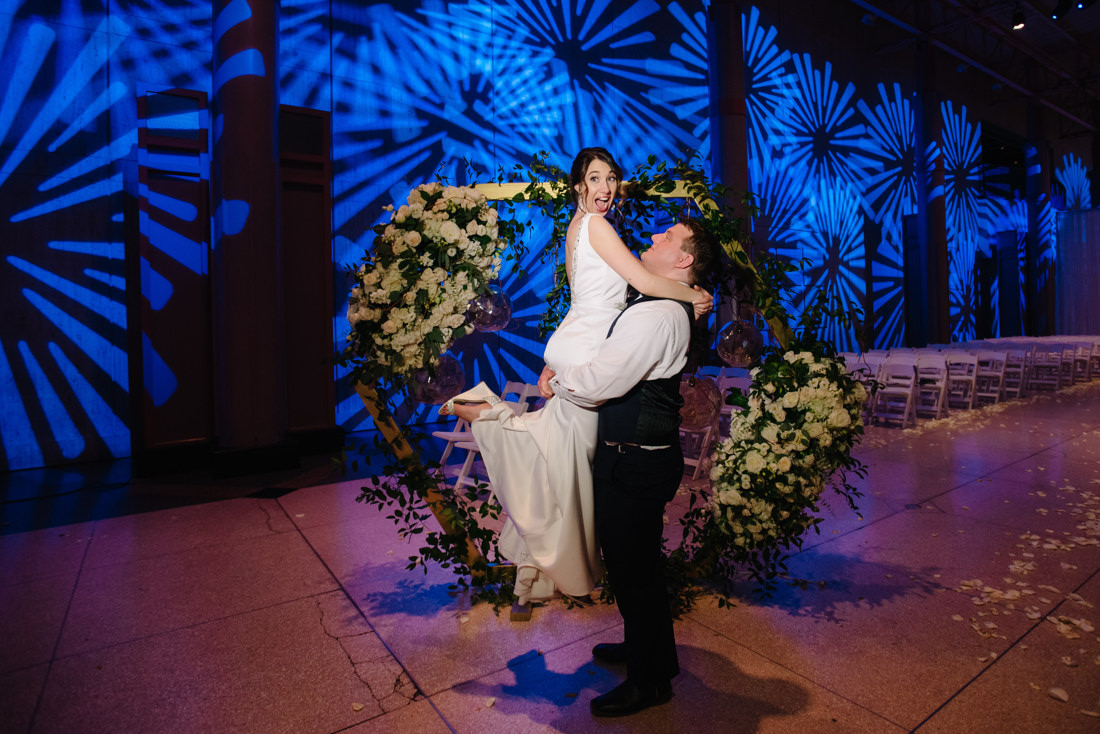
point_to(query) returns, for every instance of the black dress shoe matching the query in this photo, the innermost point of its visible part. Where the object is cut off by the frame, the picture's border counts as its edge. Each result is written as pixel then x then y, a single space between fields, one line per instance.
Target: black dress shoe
pixel 629 698
pixel 612 653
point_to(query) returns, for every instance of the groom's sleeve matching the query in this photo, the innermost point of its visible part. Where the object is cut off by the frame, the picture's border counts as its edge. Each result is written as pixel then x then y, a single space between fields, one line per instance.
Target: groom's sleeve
pixel 640 343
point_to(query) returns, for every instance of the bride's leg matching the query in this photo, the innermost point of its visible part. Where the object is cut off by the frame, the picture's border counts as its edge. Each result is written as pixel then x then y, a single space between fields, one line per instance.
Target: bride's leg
pixel 469 412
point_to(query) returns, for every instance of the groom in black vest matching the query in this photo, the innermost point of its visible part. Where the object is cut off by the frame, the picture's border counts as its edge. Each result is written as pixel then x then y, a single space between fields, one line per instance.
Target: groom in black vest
pixel 635 381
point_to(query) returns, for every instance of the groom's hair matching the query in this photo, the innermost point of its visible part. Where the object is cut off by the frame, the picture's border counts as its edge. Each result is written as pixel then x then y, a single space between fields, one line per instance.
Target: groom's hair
pixel 703 246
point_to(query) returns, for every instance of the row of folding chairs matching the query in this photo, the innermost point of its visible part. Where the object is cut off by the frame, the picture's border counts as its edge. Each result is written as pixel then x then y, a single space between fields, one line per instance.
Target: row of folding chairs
pixel 930 381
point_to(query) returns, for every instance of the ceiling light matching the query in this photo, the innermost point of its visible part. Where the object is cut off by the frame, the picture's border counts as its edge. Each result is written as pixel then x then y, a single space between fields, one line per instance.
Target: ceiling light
pixel 1018 19
pixel 1061 9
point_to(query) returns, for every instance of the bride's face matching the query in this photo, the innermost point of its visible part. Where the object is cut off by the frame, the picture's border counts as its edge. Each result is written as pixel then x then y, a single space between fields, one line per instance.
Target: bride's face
pixel 597 192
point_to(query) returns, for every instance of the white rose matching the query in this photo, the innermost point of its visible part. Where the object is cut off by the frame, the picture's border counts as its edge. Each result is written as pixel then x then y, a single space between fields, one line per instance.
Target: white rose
pixel 839 418
pixel 754 462
pixel 813 430
pixel 784 464
pixel 412 239
pixel 449 231
pixel 790 400
pixel 770 433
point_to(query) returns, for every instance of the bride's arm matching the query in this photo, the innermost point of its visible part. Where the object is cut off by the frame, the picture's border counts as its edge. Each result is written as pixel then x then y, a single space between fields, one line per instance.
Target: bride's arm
pixel 619 258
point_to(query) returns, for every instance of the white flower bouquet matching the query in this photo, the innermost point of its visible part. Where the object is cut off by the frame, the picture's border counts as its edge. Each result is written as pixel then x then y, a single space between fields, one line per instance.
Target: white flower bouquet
pixel 408 305
pixel 796 429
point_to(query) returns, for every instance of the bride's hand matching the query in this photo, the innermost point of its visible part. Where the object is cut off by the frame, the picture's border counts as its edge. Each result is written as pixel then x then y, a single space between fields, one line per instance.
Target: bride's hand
pixel 544 383
pixel 703 303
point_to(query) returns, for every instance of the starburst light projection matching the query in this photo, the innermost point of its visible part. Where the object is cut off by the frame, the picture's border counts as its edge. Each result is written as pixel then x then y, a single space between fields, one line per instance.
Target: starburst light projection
pixel 823 130
pixel 769 83
pixel 834 247
pixel 1074 178
pixel 505 80
pixel 962 159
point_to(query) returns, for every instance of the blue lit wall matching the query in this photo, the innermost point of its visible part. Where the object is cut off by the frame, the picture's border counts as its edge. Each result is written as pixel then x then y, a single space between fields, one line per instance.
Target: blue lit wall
pixel 415 88
pixel 411 87
pixel 831 162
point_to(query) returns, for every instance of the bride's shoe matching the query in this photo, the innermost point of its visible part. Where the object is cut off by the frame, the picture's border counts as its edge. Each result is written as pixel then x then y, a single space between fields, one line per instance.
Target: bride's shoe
pixel 479 393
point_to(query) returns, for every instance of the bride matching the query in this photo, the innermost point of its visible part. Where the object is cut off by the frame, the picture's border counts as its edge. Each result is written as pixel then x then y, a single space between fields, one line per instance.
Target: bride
pixel 540 462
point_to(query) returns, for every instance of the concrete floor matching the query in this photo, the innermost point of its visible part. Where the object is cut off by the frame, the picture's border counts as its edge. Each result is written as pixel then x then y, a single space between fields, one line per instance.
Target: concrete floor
pixel 968 591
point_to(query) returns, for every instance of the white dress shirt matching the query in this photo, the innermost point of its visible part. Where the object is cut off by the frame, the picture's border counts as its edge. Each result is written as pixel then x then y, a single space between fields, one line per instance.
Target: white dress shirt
pixel 650 341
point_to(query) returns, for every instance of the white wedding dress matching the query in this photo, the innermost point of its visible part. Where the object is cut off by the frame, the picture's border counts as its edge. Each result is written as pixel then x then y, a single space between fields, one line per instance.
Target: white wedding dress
pixel 540 463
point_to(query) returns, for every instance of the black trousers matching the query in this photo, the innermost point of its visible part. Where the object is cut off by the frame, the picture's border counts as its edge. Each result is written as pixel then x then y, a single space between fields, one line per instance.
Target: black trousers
pixel 632 487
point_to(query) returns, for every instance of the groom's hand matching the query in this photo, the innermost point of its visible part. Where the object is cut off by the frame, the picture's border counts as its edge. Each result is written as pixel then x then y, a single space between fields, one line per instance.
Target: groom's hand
pixel 544 383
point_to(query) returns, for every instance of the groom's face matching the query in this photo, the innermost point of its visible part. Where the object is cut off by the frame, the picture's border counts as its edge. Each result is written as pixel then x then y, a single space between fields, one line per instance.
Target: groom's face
pixel 666 256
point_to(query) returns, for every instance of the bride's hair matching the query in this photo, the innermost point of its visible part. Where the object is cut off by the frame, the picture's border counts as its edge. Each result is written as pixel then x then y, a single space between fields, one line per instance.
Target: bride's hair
pixel 580 167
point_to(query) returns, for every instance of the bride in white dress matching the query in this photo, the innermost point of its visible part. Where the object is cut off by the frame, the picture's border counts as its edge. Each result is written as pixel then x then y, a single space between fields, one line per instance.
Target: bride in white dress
pixel 540 462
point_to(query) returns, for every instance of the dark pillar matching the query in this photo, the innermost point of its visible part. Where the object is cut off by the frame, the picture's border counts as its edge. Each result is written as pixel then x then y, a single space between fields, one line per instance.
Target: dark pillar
pixel 729 124
pixel 729 129
pixel 872 238
pixel 1038 274
pixel 931 210
pixel 1008 283
pixel 249 373
pixel 1094 168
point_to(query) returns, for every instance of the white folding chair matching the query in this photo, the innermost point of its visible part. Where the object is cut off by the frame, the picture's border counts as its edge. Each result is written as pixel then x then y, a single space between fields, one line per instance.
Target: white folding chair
pixel 990 381
pixel 461 432
pixel 962 374
pixel 515 395
pixel 697 443
pixel 897 394
pixel 931 384
pixel 518 395
pixel 1017 367
pixel 1046 369
pixel 727 382
pixel 1082 361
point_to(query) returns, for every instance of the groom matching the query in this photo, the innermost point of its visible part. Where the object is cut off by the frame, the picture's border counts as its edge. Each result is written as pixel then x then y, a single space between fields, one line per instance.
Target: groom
pixel 634 380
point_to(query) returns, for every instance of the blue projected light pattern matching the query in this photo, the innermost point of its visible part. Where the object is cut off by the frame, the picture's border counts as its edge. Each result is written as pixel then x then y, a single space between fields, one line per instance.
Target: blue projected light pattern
pixel 505 79
pixel 825 165
pixel 413 87
pixel 65 382
pixel 1074 178
pixel 835 175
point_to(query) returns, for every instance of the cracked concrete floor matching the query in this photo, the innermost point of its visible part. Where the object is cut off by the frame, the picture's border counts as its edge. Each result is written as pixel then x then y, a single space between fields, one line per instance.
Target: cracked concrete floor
pixel 297 614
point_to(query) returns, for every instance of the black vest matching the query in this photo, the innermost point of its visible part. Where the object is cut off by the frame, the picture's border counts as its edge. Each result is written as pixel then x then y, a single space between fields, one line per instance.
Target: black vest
pixel 648 415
